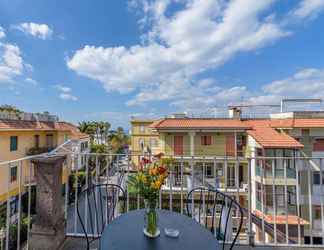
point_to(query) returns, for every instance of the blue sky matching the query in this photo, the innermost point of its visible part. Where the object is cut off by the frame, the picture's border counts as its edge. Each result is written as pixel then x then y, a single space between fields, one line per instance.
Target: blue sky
pixel 86 60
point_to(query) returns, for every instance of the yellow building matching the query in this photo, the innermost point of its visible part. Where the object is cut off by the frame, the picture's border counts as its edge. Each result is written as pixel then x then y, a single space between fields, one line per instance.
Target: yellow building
pixel 20 138
pixel 143 139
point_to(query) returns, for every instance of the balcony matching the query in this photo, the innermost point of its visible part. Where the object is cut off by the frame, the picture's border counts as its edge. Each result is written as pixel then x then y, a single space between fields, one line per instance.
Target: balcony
pixel 39 150
pixel 258 230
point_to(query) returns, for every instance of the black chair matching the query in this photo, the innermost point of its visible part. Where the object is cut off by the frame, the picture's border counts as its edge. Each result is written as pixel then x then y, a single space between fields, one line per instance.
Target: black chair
pixel 101 203
pixel 213 203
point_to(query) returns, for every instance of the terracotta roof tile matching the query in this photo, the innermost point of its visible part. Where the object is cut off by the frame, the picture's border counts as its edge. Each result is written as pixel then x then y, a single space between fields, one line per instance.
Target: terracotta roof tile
pixel 23 125
pixel 281 219
pixel 188 123
pixel 268 137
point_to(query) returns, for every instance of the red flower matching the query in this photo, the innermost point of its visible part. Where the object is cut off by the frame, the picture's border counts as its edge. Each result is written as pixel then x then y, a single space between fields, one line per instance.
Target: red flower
pixel 162 170
pixel 146 161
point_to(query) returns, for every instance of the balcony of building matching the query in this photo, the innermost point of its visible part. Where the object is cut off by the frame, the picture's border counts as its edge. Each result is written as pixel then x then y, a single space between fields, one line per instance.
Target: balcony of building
pixel 274 215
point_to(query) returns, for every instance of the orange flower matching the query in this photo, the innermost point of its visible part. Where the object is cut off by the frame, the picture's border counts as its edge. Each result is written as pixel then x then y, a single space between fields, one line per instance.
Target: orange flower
pixel 153 171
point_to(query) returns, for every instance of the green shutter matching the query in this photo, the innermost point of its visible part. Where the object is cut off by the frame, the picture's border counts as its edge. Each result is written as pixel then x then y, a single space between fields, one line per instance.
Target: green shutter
pixel 13 143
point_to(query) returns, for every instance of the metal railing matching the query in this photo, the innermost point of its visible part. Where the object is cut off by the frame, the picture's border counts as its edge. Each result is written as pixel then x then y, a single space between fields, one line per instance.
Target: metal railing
pixel 279 210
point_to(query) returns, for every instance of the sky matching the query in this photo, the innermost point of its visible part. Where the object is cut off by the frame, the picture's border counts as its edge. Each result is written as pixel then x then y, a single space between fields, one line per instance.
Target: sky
pixel 110 60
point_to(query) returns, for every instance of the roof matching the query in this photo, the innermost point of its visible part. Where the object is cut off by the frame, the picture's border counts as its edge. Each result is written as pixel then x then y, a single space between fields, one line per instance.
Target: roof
pixel 298 123
pixel 75 132
pixel 281 219
pixel 23 125
pixel 141 121
pixel 198 123
pixel 268 137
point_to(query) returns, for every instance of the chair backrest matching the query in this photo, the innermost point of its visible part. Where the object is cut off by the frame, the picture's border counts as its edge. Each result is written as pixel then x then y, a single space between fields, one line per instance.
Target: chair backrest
pixel 97 206
pixel 215 210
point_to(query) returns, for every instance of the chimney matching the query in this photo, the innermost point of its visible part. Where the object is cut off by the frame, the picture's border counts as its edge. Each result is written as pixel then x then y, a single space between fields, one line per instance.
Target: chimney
pixel 234 113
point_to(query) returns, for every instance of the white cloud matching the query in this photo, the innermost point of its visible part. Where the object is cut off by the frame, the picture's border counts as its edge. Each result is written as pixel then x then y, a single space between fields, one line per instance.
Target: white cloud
pixel 177 48
pixel 2 33
pixel 308 8
pixel 63 88
pixel 68 96
pixel 65 93
pixel 31 81
pixel 42 31
pixel 11 62
pixel 306 82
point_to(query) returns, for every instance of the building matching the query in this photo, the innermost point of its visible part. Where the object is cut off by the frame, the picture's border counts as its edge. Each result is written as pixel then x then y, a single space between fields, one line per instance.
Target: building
pixel 143 139
pixel 223 150
pixel 30 134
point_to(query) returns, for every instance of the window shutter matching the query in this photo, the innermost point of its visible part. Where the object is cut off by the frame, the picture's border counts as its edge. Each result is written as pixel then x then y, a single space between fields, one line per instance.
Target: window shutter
pixel 209 142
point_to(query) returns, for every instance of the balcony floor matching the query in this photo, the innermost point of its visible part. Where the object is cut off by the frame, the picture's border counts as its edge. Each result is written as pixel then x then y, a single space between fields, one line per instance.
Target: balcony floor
pixel 72 243
pixel 77 243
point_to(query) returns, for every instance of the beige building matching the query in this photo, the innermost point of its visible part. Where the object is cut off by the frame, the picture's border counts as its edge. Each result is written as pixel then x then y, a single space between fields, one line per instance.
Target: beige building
pixel 143 139
pixel 274 182
pixel 27 136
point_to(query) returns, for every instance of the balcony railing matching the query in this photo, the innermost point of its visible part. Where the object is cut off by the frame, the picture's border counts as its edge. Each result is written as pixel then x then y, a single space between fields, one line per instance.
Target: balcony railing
pixel 278 224
pixel 39 150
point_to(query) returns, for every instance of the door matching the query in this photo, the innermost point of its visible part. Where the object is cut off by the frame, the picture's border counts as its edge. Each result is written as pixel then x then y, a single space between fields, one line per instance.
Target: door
pixel 178 145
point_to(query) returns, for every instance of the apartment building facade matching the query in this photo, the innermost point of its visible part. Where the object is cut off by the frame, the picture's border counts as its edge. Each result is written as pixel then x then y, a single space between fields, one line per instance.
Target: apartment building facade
pixel 143 139
pixel 271 148
pixel 23 136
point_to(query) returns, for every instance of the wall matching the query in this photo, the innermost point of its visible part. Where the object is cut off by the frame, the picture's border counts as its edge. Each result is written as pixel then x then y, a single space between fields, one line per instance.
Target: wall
pixel 217 148
pixel 137 134
pixel 26 141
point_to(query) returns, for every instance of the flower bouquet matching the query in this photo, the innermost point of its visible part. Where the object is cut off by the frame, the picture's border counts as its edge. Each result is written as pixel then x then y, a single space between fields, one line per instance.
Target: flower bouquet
pixel 147 182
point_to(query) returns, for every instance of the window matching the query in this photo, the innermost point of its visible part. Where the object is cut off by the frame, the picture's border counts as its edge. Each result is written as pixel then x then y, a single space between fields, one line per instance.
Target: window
pixel 219 169
pixel 49 141
pixel 317 178
pixel 13 143
pixel 66 137
pixel 142 129
pixel 317 212
pixel 141 143
pixel 209 170
pixel 206 140
pixel 36 137
pixel 231 176
pixel 318 145
pixel 291 195
pixel 13 173
pixel 280 196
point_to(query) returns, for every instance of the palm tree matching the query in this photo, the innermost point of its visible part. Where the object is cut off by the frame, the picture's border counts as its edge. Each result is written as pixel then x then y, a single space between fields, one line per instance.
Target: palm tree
pixel 118 139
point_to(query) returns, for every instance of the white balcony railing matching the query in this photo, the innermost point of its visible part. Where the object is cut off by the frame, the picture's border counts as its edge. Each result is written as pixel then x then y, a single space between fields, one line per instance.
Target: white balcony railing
pixel 275 213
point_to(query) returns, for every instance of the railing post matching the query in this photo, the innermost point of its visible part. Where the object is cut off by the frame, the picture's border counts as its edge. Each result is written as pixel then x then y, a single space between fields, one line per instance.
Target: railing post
pixel 250 232
pixel 48 231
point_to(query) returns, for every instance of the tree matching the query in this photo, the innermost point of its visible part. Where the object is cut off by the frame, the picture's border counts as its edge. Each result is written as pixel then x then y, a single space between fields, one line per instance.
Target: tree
pixel 119 139
pixel 98 130
pixel 11 110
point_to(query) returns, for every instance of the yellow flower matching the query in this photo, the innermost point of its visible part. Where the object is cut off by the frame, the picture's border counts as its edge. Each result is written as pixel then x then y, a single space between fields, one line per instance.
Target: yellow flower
pixel 156 184
pixel 140 177
pixel 161 178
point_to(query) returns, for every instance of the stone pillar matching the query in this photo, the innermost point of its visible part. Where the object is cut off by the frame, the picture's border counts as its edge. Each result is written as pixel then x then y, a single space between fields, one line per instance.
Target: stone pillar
pixel 48 231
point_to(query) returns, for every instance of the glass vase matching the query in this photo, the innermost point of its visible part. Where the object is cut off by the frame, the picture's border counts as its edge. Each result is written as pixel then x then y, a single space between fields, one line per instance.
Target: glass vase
pixel 151 228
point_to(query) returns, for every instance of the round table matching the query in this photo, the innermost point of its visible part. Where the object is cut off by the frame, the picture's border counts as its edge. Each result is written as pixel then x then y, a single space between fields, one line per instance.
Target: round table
pixel 126 232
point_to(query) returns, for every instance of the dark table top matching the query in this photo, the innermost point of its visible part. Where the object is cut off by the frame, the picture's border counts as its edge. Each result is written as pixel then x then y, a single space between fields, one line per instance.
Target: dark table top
pixel 126 232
